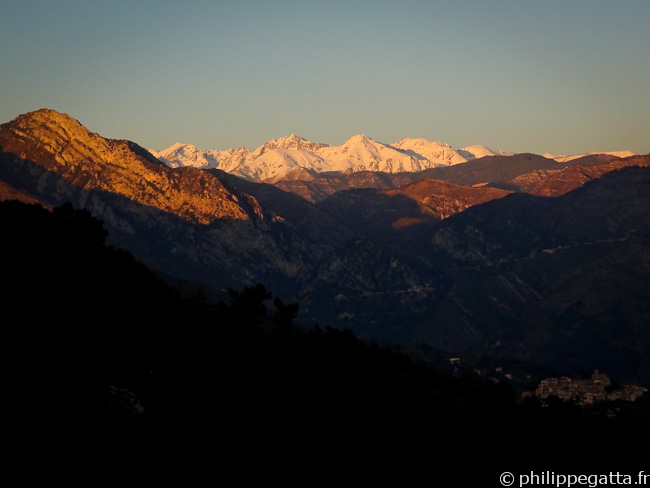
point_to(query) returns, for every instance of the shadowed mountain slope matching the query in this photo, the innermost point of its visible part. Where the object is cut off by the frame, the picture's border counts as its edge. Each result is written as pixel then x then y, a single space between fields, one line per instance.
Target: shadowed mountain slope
pixel 110 367
pixel 194 228
pixel 519 276
pixel 380 213
pixel 521 172
pixel 560 281
pixel 553 183
pixel 488 170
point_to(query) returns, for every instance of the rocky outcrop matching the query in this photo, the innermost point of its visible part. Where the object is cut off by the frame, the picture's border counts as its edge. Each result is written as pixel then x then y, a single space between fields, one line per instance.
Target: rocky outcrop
pixel 61 147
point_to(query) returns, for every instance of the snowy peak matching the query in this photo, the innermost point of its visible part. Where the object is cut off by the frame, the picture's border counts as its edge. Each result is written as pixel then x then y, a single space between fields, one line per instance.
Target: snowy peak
pixel 478 151
pixel 361 153
pixel 293 142
pixel 286 156
pixel 180 155
pixel 560 158
pixel 438 152
pixel 183 155
pixel 359 140
pixel 410 143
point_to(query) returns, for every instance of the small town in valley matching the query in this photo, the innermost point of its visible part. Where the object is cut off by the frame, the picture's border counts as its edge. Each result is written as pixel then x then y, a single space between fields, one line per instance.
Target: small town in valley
pixel 585 391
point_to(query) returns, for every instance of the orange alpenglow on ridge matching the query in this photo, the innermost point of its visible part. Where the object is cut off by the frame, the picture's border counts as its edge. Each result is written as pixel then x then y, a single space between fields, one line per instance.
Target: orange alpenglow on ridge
pixel 62 146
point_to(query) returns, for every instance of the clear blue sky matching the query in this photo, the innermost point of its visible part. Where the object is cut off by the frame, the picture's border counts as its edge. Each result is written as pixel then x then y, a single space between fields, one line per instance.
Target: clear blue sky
pixel 539 76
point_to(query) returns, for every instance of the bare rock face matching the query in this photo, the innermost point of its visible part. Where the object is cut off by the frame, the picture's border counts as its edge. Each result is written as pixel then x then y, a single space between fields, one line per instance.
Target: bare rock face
pixel 63 147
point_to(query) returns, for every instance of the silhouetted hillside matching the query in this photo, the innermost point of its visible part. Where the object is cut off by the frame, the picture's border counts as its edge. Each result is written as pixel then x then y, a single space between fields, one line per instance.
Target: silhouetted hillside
pixel 102 354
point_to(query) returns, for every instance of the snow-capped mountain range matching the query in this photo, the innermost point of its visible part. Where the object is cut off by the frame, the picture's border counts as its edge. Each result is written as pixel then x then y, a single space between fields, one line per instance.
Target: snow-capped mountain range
pixel 278 157
pixel 560 158
pixel 289 157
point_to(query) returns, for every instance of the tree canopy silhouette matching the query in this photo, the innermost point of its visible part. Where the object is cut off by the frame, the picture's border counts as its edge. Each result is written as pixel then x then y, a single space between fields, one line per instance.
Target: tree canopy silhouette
pixel 103 351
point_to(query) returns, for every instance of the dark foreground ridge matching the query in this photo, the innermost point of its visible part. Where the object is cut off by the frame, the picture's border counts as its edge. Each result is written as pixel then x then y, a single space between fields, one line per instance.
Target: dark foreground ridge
pixel 110 367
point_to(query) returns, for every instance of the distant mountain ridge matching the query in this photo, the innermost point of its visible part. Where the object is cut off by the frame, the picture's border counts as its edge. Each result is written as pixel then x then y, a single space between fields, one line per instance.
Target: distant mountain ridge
pixel 278 158
pixel 479 258
pixel 565 159
pixel 294 158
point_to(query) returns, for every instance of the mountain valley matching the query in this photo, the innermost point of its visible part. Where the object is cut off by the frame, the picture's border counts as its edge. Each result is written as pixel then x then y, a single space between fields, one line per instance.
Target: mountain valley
pixel 515 257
